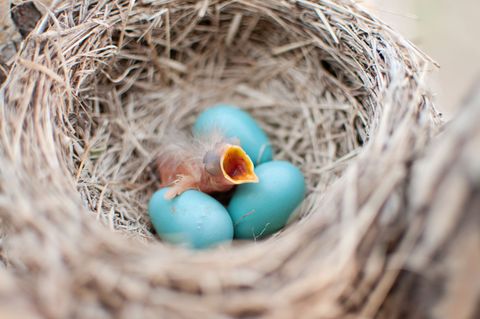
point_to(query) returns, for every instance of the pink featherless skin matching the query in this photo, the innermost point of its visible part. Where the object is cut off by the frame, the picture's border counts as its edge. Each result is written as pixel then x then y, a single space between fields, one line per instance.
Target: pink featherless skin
pixel 209 163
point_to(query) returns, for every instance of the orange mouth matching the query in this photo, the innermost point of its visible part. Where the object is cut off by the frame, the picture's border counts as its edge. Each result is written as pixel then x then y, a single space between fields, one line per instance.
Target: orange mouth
pixel 237 167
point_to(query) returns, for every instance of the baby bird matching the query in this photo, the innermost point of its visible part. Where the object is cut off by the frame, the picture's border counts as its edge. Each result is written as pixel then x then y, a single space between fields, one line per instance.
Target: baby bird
pixel 209 163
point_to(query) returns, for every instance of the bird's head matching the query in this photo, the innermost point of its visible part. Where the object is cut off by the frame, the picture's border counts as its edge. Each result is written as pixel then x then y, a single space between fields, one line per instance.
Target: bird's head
pixel 231 164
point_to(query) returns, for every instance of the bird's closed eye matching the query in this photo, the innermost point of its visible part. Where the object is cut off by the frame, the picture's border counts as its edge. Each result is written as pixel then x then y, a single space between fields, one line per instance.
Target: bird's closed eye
pixel 211 160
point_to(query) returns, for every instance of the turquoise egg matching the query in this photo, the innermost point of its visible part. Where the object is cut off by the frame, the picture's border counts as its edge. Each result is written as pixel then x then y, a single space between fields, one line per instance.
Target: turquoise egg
pixel 193 219
pixel 236 123
pixel 260 209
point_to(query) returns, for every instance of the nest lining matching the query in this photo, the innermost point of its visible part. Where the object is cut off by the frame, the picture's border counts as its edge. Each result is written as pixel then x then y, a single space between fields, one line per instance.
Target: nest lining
pixel 151 87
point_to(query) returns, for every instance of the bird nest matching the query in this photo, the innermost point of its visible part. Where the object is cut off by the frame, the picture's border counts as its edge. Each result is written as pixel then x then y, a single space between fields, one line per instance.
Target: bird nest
pixel 97 85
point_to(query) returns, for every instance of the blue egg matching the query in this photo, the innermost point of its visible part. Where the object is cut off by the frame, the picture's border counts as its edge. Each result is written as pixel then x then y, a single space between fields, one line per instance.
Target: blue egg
pixel 236 123
pixel 193 219
pixel 260 209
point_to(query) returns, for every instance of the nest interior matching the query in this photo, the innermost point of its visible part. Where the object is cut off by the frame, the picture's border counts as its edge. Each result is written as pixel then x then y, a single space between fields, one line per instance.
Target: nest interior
pixel 96 86
pixel 170 65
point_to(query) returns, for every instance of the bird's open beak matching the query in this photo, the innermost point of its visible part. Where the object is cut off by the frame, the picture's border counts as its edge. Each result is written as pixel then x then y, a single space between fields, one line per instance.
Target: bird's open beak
pixel 237 167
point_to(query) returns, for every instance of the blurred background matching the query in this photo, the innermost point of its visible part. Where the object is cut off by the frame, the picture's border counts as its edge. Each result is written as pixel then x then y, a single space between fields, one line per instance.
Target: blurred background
pixel 449 32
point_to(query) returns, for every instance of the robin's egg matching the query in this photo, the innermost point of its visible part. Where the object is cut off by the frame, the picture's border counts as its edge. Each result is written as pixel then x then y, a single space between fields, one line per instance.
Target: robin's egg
pixel 260 209
pixel 235 123
pixel 193 219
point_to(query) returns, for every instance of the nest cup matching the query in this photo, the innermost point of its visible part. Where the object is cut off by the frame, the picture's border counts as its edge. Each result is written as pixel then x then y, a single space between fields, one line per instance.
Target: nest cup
pixel 97 85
